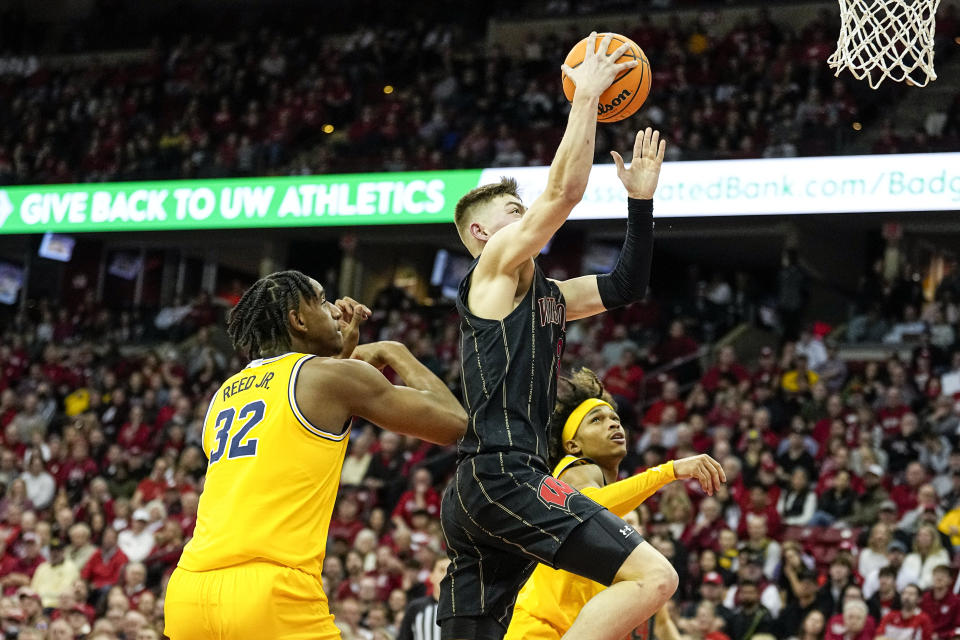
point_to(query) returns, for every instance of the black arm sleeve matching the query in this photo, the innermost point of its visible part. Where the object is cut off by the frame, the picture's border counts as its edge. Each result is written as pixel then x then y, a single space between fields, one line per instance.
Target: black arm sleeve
pixel 629 279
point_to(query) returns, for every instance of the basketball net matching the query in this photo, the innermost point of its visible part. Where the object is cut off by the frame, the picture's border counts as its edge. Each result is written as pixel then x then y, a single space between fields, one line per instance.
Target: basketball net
pixel 882 39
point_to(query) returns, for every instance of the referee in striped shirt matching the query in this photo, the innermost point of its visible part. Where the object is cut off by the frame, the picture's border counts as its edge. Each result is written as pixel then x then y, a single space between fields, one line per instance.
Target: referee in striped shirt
pixel 420 618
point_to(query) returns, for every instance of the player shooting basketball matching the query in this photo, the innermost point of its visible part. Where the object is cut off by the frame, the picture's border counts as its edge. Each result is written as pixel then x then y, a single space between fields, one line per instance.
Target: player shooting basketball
pixel 275 436
pixel 504 512
pixel 586 449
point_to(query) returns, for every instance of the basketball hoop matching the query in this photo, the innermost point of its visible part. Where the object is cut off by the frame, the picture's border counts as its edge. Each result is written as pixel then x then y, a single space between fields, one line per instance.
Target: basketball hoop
pixel 882 39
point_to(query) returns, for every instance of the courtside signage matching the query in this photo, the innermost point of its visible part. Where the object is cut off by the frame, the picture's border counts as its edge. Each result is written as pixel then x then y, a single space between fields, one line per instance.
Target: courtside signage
pixel 355 199
pixel 832 184
pixel 838 184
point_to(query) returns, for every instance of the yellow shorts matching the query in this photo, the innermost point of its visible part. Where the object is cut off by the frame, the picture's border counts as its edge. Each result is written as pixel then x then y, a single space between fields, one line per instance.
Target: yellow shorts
pixel 251 600
pixel 524 626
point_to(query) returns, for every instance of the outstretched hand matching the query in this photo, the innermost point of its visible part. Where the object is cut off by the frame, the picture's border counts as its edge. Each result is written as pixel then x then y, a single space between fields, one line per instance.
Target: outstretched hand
pixel 596 73
pixel 703 468
pixel 641 177
pixel 352 315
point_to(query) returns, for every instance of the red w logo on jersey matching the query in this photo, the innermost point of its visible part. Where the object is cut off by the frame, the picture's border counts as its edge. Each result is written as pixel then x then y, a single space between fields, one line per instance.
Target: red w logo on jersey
pixel 555 492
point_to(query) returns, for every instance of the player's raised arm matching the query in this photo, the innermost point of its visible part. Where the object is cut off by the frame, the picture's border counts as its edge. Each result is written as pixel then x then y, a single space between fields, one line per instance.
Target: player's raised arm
pixel 425 408
pixel 571 165
pixel 590 295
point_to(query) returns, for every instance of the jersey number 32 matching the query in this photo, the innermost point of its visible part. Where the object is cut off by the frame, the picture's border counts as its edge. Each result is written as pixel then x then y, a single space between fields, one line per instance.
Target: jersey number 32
pixel 247 418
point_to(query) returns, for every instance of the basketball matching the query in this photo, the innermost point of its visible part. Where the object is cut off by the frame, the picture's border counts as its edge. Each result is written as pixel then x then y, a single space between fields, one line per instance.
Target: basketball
pixel 629 89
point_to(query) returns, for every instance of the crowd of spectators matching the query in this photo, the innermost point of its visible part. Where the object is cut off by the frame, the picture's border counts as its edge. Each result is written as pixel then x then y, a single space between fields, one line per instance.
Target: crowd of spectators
pixel 423 96
pixel 840 515
pixel 895 310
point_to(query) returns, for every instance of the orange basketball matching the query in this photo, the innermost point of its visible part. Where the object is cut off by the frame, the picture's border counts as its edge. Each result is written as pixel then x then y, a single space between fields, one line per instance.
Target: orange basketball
pixel 629 89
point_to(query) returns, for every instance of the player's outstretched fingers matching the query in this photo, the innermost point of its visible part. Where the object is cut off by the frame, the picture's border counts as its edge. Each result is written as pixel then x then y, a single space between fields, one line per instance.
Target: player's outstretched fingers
pixel 619 51
pixel 638 145
pixel 705 481
pixel 714 476
pixel 618 160
pixel 591 49
pixel 604 45
pixel 720 472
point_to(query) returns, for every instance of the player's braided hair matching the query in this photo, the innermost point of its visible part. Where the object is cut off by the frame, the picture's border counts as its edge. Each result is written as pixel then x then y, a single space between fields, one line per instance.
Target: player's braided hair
pixel 582 385
pixel 259 321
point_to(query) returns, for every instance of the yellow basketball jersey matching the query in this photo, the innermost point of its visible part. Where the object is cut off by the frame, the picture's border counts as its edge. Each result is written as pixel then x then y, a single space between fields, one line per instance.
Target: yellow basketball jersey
pixel 551 599
pixel 272 476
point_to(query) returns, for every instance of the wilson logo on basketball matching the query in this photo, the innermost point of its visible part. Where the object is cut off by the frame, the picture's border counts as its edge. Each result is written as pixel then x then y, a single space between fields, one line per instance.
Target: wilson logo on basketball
pixel 613 104
pixel 555 492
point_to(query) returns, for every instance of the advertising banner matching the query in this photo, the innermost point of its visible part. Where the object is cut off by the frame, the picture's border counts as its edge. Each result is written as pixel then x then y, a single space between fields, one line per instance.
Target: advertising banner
pixel 835 184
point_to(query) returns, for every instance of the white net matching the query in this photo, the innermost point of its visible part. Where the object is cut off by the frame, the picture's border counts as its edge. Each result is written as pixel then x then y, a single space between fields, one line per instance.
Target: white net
pixel 882 39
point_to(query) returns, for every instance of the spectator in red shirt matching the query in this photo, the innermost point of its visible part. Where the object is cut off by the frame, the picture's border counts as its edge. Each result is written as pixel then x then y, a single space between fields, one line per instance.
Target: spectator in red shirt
pixel 103 568
pixel 166 552
pixel 345 525
pixel 677 347
pixel 134 583
pixel 78 469
pixel 420 496
pixel 624 379
pixel 700 438
pixel 854 623
pixel 670 398
pixel 909 622
pixel 353 565
pixel 726 371
pixel 906 495
pixel 8 562
pixel 893 410
pixel 838 461
pixel 941 604
pixel 187 518
pixel 135 433
pixel 704 531
pixel 24 567
pixel 154 485
pixel 835 411
pixel 760 429
pixel 178 409
pixel 767 372
pixel 759 505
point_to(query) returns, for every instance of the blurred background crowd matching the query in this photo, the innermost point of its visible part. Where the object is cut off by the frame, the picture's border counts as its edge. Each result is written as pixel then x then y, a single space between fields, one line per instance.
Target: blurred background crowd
pixel 841 515
pixel 280 99
pixel 843 475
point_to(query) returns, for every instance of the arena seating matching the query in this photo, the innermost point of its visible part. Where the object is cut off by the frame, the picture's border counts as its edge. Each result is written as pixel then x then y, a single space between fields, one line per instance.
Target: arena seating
pixel 270 103
pixel 101 423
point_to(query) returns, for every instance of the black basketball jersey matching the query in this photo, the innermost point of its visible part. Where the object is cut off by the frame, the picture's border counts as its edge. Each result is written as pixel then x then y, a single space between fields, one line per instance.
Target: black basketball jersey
pixel 509 370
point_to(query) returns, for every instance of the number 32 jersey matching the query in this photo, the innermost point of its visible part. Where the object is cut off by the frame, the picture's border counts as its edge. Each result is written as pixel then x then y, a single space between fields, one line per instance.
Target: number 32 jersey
pixel 272 476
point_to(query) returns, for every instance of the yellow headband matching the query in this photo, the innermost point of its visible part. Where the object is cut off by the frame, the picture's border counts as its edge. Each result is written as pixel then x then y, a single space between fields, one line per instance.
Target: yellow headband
pixel 573 422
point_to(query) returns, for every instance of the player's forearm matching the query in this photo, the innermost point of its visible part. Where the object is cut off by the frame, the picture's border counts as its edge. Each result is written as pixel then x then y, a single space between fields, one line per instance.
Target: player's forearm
pixel 451 419
pixel 571 165
pixel 624 496
pixel 628 281
pixel 412 371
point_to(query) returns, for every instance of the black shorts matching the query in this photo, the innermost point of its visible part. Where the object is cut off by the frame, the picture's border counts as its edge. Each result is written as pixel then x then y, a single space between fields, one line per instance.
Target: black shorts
pixel 501 515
